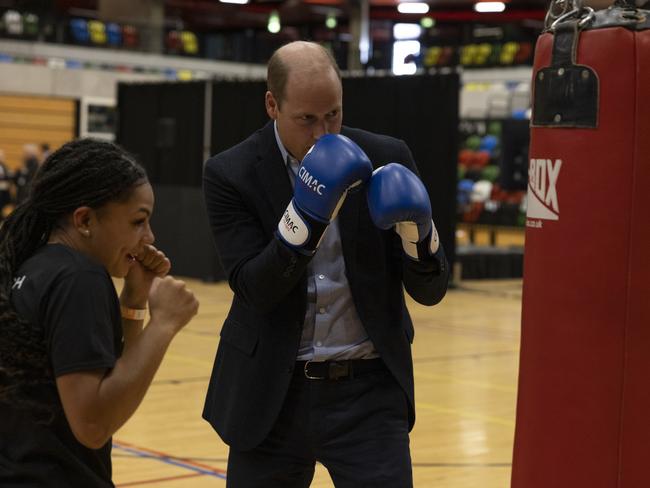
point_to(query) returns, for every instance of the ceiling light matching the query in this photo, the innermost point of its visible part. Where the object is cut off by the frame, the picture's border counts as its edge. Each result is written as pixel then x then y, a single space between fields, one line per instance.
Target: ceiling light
pixel 489 7
pixel 274 22
pixel 330 21
pixel 406 31
pixel 241 2
pixel 427 22
pixel 412 8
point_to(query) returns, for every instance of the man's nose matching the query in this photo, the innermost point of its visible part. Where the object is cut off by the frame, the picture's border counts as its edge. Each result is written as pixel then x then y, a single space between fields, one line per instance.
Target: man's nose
pixel 320 130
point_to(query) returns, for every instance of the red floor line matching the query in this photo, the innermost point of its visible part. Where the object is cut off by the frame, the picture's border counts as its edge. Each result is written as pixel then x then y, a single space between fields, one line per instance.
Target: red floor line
pixel 169 456
pixel 167 478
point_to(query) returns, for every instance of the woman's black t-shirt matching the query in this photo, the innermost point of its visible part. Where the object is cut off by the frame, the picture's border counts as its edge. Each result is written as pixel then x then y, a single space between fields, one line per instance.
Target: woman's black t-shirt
pixel 71 300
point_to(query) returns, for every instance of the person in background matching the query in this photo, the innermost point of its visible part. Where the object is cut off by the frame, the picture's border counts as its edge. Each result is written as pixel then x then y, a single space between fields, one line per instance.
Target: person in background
pixel 5 184
pixel 75 360
pixel 314 361
pixel 25 174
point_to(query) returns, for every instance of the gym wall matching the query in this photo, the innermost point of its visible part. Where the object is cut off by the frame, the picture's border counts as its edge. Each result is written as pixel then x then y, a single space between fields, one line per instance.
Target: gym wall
pixel 34 120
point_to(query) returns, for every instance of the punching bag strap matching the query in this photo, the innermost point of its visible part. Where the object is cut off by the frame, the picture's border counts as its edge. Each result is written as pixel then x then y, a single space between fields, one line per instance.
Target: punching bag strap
pixel 566 93
pixel 565 44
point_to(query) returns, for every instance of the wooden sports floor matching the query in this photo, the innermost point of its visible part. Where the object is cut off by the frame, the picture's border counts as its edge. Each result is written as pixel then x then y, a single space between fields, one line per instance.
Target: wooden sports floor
pixel 465 356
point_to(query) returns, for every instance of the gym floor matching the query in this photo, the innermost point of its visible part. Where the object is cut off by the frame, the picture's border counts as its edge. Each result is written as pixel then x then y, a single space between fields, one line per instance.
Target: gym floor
pixel 466 353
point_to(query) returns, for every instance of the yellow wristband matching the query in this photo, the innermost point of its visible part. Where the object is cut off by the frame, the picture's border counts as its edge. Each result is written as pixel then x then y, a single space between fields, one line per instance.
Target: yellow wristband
pixel 133 313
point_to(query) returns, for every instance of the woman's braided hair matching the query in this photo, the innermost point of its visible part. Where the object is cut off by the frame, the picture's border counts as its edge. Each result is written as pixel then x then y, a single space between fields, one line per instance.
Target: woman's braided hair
pixel 84 172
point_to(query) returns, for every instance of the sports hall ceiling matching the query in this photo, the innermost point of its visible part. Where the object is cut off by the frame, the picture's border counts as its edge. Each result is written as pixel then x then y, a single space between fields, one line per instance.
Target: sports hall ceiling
pixel 206 15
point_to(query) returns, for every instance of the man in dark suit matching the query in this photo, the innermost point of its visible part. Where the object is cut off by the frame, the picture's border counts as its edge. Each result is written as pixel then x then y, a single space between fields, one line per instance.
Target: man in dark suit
pixel 314 361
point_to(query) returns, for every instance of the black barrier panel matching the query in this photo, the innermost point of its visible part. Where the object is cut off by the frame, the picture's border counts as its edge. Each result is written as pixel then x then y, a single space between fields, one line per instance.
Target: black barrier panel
pixel 137 108
pixel 162 124
pixel 180 224
pixel 515 139
pixel 481 262
pixel 237 111
pixel 422 111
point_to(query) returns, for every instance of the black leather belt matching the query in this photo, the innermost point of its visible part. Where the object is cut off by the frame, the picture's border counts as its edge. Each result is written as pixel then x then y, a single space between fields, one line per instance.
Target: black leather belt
pixel 338 370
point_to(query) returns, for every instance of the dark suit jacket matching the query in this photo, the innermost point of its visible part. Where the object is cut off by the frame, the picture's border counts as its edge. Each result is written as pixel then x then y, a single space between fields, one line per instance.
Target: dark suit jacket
pixel 247 190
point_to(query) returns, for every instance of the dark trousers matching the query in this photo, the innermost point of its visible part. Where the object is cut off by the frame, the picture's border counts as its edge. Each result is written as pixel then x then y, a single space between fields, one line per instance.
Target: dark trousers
pixel 357 428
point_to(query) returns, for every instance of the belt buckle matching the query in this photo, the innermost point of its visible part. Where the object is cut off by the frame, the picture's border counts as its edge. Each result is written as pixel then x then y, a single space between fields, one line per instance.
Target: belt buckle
pixel 308 376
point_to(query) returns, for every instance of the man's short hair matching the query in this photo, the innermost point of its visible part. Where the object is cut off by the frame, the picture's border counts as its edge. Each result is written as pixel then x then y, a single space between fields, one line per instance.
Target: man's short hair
pixel 277 72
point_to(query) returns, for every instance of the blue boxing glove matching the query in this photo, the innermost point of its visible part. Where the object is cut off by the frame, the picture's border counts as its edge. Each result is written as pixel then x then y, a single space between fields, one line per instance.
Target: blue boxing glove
pixel 397 197
pixel 331 167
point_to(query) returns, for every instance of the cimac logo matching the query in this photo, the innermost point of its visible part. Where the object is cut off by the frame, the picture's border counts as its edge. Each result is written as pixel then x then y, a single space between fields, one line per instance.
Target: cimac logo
pixel 542 191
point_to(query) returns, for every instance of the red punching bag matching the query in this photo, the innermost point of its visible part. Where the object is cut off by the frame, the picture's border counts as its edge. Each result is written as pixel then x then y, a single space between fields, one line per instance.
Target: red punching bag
pixel 583 408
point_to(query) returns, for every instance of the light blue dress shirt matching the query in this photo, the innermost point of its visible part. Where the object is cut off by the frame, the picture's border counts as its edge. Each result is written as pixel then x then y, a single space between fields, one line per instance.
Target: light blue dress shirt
pixel 332 328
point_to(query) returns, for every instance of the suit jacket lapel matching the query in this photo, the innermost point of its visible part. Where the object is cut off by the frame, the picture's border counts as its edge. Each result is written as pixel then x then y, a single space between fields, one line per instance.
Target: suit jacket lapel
pixel 348 225
pixel 272 171
pixel 349 221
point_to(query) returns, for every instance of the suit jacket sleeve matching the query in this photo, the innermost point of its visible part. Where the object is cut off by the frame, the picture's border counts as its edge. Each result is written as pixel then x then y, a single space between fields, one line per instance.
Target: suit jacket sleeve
pixel 261 270
pixel 425 281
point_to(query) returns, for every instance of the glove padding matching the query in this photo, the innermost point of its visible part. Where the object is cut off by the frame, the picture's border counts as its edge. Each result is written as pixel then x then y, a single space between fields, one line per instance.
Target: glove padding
pixel 331 167
pixel 397 198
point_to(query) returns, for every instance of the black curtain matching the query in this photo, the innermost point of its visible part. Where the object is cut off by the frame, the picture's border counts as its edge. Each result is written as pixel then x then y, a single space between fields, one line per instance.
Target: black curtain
pixel 237 111
pixel 515 139
pixel 137 111
pixel 423 111
pixel 180 223
pixel 162 124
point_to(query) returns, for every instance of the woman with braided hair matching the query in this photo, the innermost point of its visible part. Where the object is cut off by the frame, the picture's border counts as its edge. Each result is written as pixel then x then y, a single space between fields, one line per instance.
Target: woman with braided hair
pixel 75 360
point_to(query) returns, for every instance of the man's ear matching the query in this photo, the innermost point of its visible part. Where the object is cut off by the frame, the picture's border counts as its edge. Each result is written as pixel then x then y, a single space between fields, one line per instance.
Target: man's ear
pixel 271 105
pixel 82 218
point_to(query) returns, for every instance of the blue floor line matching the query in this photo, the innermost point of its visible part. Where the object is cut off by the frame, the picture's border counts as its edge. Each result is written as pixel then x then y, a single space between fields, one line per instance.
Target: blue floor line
pixel 173 462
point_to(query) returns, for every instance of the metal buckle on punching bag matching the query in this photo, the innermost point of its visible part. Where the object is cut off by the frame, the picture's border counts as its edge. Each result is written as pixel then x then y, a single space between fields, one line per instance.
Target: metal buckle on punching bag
pixel 566 93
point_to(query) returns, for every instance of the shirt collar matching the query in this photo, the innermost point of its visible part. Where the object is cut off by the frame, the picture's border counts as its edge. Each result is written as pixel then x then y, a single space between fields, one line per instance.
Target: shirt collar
pixel 283 150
